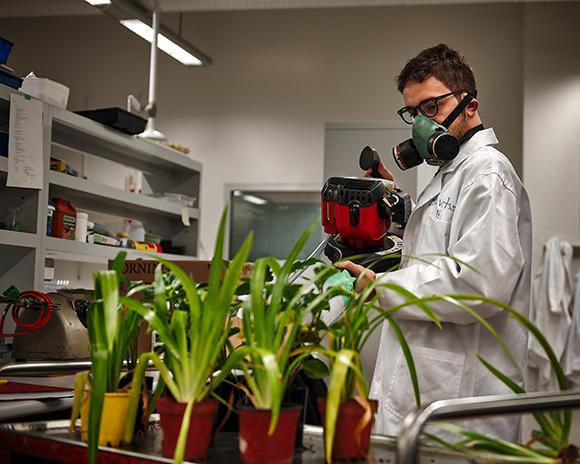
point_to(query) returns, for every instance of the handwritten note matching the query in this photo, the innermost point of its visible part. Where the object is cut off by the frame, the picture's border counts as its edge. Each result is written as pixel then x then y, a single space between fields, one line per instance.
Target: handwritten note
pixel 25 161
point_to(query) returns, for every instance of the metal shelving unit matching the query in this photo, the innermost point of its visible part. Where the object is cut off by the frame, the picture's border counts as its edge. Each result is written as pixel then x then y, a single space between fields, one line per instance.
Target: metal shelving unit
pixel 19 239
pixel 164 170
pixel 115 201
pixel 71 250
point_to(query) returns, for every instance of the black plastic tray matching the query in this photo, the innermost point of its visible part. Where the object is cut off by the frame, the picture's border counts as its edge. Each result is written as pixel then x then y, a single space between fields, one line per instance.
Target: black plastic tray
pixel 116 118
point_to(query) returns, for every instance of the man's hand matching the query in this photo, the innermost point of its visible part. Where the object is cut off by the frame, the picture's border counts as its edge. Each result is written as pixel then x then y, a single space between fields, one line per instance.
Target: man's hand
pixel 364 276
pixel 383 171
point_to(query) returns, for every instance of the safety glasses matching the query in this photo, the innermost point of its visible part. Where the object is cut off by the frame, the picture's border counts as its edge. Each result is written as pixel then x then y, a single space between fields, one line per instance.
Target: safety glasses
pixel 428 107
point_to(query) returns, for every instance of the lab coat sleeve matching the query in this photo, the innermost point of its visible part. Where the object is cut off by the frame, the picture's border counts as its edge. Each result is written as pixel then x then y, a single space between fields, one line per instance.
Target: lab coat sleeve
pixel 484 234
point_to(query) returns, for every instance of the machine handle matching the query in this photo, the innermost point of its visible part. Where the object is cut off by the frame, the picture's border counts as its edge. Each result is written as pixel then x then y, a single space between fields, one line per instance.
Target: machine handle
pixel 369 158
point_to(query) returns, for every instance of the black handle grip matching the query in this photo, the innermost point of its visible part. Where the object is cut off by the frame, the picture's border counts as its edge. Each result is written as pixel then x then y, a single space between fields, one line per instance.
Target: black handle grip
pixel 369 158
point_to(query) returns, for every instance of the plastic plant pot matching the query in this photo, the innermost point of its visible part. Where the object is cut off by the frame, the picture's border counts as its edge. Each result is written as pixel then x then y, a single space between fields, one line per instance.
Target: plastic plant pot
pixel 112 420
pixel 347 445
pixel 200 427
pixel 256 446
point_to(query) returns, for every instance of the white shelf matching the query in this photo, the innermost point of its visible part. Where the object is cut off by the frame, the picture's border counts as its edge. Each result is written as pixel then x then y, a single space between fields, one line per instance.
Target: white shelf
pixel 91 137
pixel 165 170
pixel 70 250
pixel 5 92
pixel 110 200
pixel 18 239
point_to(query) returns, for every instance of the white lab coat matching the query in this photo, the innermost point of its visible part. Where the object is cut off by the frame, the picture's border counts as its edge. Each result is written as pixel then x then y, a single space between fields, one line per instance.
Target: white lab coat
pixel 476 209
pixel 571 356
pixel 552 292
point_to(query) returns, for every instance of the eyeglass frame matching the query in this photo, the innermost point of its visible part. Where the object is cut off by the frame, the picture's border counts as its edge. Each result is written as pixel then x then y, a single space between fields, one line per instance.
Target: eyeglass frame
pixel 415 109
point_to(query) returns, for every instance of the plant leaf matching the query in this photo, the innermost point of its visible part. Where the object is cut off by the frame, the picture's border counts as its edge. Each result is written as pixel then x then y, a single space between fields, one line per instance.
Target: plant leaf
pixel 315 369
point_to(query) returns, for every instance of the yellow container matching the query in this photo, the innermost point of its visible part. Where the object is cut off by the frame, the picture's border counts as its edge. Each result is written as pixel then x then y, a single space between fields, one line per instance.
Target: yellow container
pixel 112 420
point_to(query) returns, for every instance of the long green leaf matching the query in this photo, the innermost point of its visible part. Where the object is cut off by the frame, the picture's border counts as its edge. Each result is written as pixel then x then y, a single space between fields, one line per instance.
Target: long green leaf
pixel 81 381
pixel 135 394
pixel 184 429
pixel 342 363
pixel 408 358
pixel 411 299
pixel 503 446
pixel 154 321
pixel 546 427
pixel 490 456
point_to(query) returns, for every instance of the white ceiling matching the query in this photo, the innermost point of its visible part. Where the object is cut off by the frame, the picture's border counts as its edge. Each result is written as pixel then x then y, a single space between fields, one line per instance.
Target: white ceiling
pixel 31 8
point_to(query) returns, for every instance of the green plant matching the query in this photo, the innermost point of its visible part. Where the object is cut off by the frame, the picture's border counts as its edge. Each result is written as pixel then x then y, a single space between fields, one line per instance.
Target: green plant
pixel 111 334
pixel 278 340
pixel 554 428
pixel 193 323
pixel 347 336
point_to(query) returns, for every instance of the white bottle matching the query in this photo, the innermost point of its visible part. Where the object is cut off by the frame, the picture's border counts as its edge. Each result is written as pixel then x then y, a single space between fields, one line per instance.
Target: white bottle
pixel 135 230
pixel 81 227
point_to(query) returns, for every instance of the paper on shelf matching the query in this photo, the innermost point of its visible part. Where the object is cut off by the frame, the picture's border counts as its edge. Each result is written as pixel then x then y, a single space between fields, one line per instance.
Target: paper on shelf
pixel 25 162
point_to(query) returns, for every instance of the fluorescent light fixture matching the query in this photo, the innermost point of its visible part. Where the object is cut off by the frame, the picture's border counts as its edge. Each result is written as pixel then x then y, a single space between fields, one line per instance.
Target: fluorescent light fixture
pixel 163 43
pixel 98 2
pixel 237 193
pixel 254 200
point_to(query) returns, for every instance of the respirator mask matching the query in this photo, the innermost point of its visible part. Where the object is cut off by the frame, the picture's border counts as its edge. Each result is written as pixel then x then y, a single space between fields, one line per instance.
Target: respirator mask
pixel 431 142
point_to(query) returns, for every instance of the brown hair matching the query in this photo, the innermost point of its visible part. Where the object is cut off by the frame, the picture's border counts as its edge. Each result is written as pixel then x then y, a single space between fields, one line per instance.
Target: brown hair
pixel 445 64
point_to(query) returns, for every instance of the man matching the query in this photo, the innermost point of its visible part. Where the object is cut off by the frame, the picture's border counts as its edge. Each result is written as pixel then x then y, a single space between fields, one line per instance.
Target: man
pixel 476 210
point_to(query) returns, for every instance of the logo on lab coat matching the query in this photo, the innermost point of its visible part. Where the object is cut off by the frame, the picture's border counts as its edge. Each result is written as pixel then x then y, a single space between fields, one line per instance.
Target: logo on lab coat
pixel 441 208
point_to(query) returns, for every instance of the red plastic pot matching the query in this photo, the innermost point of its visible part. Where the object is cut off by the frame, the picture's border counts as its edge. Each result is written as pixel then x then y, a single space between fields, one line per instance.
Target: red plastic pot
pixel 346 443
pixel 200 426
pixel 255 444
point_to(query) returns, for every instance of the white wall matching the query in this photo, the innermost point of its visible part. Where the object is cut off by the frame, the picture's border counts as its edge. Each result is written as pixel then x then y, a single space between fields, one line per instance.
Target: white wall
pixel 258 113
pixel 551 129
pixel 551 135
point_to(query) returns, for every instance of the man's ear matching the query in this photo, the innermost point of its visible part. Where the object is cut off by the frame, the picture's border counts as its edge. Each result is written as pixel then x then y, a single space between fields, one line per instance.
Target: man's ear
pixel 472 107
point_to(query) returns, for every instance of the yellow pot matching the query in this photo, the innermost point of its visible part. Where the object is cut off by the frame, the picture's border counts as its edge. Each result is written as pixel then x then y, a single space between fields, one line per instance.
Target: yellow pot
pixel 112 420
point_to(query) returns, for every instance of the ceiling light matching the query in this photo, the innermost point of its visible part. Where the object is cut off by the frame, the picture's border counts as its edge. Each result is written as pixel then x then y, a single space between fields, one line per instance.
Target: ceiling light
pixel 255 200
pixel 134 17
pixel 163 43
pixel 98 2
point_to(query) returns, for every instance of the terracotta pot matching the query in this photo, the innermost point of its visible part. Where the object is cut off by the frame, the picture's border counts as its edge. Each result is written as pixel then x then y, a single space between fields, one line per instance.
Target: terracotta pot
pixel 200 426
pixel 346 444
pixel 113 416
pixel 255 444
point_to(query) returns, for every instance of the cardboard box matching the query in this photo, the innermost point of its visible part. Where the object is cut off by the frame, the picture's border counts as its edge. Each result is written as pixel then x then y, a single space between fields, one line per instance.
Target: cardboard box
pixel 144 269
pixel 198 270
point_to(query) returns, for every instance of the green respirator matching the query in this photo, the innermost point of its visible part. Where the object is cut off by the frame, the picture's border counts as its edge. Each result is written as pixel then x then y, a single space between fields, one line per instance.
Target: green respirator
pixel 431 142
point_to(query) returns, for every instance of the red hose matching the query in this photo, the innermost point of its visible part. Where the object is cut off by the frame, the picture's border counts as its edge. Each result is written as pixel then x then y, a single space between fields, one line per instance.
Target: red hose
pixel 26 300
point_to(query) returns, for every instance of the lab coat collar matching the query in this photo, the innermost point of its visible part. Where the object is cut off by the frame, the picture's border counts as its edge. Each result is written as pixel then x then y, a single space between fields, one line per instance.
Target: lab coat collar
pixel 480 139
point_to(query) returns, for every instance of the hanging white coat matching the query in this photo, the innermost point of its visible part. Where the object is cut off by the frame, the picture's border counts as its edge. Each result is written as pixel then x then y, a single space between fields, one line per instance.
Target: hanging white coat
pixel 552 291
pixel 475 209
pixel 571 356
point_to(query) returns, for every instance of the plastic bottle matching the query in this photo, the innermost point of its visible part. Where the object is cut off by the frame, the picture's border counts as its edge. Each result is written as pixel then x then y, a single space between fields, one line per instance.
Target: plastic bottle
pixel 123 239
pixel 50 214
pixel 135 230
pixel 64 219
pixel 81 227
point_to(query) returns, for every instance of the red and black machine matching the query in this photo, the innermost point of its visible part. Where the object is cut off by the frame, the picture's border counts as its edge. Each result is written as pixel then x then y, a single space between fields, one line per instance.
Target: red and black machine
pixel 358 214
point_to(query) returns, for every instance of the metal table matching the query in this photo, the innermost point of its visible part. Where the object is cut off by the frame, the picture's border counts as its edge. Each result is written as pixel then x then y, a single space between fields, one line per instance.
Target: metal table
pixel 50 441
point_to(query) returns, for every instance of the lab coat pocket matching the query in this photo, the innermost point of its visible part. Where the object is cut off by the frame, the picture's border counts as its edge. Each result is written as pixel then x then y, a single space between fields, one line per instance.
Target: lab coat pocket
pixel 439 374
